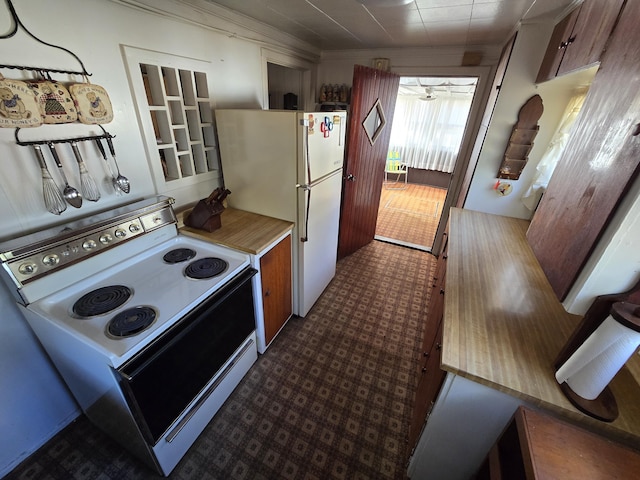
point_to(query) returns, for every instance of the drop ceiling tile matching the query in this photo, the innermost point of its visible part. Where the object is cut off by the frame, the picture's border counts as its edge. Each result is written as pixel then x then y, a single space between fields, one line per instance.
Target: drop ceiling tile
pixel 513 10
pixel 445 14
pixel 442 3
pixel 399 17
pixel 455 28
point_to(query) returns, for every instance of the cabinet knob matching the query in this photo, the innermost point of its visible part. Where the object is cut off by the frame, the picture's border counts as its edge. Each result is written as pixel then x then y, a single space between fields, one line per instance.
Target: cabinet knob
pixel 424 369
pixel 426 354
pixel 438 346
pixel 567 43
pixel 441 291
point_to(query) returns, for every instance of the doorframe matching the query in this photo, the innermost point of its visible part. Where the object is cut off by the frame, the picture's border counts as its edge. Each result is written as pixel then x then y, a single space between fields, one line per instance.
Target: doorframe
pixel 307 68
pixel 484 74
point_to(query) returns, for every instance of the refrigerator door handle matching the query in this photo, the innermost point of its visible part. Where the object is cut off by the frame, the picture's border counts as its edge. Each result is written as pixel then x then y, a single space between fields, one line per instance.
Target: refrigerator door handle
pixel 307 190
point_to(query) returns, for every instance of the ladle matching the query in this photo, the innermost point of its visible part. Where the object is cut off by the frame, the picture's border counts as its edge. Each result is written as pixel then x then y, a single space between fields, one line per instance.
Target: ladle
pixel 123 182
pixel 71 195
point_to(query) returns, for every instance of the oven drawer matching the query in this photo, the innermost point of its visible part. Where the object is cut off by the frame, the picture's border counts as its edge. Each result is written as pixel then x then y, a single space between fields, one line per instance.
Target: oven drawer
pixel 163 380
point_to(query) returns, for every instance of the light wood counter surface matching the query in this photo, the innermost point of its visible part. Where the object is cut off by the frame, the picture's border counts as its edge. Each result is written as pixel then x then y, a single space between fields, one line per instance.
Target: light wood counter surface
pixel 504 326
pixel 244 231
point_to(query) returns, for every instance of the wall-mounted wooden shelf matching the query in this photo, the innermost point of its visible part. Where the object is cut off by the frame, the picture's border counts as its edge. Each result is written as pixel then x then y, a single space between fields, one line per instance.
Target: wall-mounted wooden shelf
pixel 521 139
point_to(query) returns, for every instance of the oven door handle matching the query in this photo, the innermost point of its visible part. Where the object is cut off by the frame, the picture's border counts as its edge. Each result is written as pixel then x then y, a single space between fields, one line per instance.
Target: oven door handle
pixel 132 368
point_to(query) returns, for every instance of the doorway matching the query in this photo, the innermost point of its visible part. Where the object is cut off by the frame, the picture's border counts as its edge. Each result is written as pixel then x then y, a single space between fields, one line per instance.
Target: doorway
pixel 430 119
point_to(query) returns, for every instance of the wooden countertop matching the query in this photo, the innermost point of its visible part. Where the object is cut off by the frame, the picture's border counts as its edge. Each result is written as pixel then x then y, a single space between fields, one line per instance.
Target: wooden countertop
pixel 244 231
pixel 504 326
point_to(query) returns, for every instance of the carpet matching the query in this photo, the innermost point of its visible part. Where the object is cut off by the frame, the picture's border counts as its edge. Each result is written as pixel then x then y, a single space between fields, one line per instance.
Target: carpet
pixel 330 399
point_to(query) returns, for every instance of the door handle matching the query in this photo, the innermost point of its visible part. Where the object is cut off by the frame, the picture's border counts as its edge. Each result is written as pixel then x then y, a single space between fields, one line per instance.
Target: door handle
pixel 351 178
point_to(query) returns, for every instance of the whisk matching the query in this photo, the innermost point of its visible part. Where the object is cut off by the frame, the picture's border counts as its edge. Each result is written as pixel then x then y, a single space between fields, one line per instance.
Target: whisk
pixel 53 200
pixel 88 185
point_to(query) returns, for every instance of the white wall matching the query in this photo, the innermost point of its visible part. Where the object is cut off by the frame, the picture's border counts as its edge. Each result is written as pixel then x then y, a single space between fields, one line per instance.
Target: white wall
pixel 337 66
pixel 34 403
pixel 517 87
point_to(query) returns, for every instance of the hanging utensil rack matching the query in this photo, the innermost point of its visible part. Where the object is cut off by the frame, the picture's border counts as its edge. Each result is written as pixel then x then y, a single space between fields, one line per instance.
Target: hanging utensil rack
pixel 45 72
pixel 18 23
pixel 89 138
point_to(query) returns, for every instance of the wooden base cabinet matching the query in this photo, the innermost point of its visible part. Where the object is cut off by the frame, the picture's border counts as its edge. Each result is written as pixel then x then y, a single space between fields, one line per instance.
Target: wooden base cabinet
pixel 537 446
pixel 274 304
pixel 430 374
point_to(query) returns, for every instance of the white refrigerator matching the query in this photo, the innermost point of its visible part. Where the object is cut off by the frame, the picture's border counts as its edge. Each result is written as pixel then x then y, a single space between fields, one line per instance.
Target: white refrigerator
pixel 288 164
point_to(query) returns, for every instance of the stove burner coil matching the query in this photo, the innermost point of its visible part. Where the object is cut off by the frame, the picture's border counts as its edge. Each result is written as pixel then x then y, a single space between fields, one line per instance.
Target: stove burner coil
pixel 101 300
pixel 179 255
pixel 205 268
pixel 131 321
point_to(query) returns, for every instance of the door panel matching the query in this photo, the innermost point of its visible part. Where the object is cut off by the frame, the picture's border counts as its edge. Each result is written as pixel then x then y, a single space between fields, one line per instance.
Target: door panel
pixel 326 136
pixel 364 164
pixel 317 253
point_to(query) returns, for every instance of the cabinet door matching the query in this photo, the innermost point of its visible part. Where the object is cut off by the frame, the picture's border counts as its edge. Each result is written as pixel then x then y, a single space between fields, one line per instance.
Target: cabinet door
pixel 579 39
pixel 555 52
pixel 590 34
pixel 429 383
pixel 430 377
pixel 599 163
pixel 275 271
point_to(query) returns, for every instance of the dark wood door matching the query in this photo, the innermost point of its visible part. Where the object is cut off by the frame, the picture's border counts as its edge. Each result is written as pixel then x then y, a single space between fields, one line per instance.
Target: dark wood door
pixel 373 99
pixel 599 164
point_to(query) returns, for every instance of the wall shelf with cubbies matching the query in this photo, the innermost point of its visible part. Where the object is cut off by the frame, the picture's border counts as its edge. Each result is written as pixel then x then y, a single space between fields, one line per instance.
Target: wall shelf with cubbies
pixel 182 118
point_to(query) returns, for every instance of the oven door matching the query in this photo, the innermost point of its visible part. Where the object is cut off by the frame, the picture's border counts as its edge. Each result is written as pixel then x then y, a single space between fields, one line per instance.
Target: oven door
pixel 163 380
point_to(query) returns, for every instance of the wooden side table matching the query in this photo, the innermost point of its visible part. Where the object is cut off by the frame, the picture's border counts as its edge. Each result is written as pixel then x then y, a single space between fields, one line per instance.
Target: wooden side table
pixel 537 446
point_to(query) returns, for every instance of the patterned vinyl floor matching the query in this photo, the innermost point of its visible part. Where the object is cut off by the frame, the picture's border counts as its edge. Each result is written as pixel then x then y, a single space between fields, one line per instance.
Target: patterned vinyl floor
pixel 330 399
pixel 410 215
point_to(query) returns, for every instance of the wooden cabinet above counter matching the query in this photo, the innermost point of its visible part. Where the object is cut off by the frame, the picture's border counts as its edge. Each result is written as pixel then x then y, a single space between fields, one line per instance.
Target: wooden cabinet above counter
pixel 579 38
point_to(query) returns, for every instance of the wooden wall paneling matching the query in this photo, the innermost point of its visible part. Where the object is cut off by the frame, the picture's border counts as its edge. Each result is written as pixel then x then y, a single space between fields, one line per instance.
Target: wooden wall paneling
pixel 599 165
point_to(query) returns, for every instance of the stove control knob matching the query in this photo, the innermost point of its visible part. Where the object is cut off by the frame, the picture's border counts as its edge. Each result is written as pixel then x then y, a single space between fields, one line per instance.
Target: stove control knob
pixel 120 233
pixel 28 268
pixel 106 238
pixel 50 260
pixel 134 227
pixel 89 245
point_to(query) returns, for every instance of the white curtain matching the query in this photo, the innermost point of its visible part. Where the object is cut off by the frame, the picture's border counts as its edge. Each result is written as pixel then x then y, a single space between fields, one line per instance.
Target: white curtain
pixel 427 133
pixel 544 170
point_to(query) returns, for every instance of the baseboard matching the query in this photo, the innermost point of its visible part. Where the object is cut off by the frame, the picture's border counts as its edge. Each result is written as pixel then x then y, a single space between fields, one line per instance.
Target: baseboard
pixel 6 469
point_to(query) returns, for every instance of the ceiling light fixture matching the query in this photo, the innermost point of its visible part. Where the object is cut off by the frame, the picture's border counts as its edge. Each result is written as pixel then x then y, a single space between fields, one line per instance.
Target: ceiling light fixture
pixel 384 3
